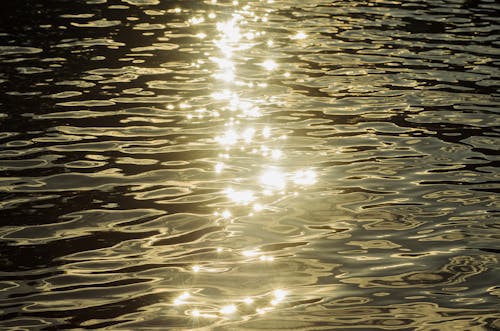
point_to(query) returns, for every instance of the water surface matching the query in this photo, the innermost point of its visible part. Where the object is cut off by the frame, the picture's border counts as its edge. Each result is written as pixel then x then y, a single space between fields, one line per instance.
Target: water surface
pixel 251 165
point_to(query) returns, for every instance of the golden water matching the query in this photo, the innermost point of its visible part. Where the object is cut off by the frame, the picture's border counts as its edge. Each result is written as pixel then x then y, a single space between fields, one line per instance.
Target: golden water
pixel 251 165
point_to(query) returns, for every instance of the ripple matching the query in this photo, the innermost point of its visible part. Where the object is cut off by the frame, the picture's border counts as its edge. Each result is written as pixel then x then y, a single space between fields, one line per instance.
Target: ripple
pixel 249 165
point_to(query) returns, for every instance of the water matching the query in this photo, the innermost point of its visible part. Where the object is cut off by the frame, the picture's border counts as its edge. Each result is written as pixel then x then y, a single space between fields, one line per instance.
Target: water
pixel 286 165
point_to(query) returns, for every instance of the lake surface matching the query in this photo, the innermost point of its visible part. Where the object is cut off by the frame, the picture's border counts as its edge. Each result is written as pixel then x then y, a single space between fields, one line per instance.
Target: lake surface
pixel 251 165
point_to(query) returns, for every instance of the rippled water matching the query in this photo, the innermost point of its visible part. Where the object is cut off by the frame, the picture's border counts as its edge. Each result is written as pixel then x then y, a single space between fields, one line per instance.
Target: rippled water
pixel 261 165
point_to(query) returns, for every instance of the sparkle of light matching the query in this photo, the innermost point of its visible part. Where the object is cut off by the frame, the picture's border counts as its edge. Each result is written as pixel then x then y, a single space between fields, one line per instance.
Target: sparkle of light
pixel 250 253
pixel 240 197
pixel 219 167
pixel 273 179
pixel 248 300
pixel 279 294
pixel 230 30
pixel 228 310
pixel 248 135
pixel 304 177
pixel 226 214
pixel 257 207
pixel 266 132
pixel 299 35
pixel 196 20
pixel 276 154
pixel 230 137
pixel 265 258
pixel 181 298
pixel 269 65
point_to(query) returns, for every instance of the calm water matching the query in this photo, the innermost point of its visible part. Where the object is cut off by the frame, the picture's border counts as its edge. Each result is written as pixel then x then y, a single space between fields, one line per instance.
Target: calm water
pixel 261 165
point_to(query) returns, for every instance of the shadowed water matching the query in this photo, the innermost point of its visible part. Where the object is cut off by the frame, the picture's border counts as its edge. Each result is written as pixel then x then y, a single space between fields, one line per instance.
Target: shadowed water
pixel 251 165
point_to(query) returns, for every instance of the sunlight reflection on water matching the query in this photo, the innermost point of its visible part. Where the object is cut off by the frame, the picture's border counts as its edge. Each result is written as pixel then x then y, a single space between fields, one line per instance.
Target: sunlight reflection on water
pixel 267 165
pixel 233 39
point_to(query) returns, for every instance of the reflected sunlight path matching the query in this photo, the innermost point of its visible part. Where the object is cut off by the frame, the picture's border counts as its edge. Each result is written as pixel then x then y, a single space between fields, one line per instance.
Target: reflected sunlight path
pixel 240 103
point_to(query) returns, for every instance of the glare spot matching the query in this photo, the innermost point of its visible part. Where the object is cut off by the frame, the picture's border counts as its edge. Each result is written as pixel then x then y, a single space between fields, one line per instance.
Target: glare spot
pixel 219 249
pixel 248 300
pixel 226 214
pixel 195 313
pixel 201 35
pixel 299 35
pixel 212 15
pixel 269 65
pixel 246 107
pixel 196 20
pixel 249 35
pixel 304 177
pixel 252 112
pixel 181 298
pixel 177 10
pixel 257 207
pixel 224 95
pixel 248 135
pixel 229 138
pixel 276 154
pixel 266 132
pixel 236 104
pixel 273 179
pixel 230 30
pixel 279 296
pixel 260 311
pixel 219 167
pixel 264 149
pixel 250 253
pixel 240 197
pixel 286 74
pixel 226 75
pixel 196 268
pixel 265 258
pixel 228 310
